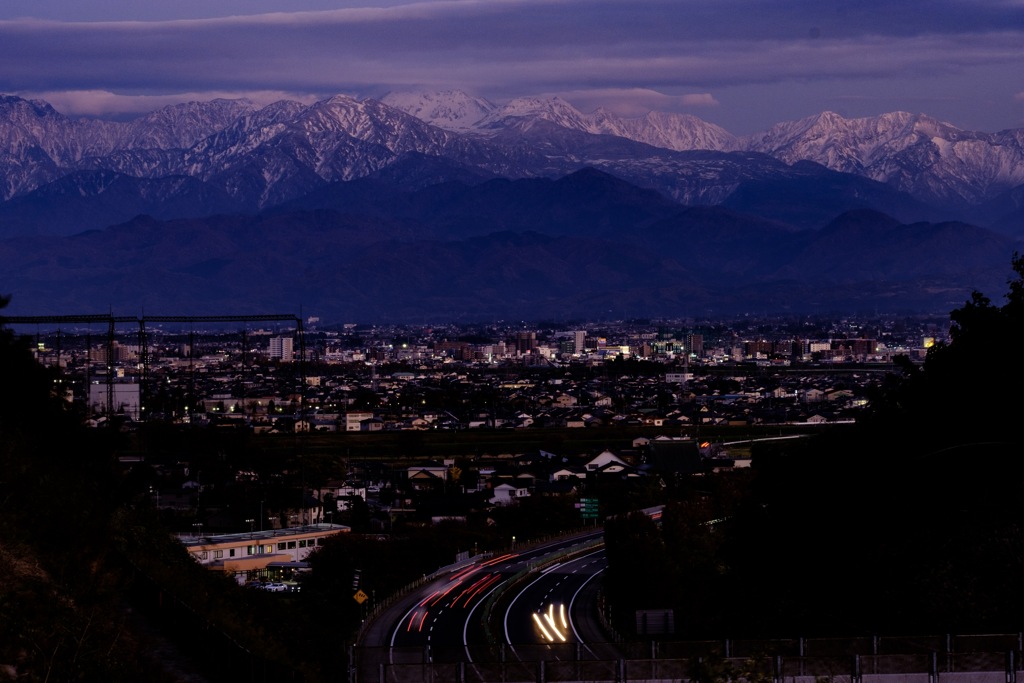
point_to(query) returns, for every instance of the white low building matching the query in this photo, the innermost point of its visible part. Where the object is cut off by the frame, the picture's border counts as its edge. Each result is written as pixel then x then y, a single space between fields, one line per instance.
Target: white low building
pixel 249 553
pixel 507 494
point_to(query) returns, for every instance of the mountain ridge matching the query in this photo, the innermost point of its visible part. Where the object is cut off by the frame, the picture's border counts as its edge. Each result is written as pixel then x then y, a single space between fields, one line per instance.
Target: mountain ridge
pixel 461 251
pixel 530 209
pixel 341 138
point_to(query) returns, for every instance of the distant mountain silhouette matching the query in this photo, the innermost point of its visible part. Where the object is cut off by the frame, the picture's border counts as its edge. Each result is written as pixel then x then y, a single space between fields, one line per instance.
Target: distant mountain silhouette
pixel 437 206
pixel 584 245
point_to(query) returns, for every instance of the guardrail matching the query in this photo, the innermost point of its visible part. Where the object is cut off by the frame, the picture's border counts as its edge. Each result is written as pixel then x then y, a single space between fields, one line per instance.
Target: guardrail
pixel 565 663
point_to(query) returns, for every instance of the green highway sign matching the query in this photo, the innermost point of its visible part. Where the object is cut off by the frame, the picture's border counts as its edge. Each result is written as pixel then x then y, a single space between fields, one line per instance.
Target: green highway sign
pixel 587 508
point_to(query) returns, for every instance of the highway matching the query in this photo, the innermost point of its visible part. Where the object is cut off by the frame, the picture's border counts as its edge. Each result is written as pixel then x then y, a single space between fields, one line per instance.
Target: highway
pixel 542 624
pixel 441 621
pixel 545 608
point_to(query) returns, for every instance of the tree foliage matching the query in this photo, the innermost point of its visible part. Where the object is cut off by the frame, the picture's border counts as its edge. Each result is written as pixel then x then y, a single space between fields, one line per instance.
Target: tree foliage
pixel 908 522
pixel 85 566
pixel 965 391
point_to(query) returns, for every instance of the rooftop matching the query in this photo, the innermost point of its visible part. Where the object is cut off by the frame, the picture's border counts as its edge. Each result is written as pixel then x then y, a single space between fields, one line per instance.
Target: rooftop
pixel 192 540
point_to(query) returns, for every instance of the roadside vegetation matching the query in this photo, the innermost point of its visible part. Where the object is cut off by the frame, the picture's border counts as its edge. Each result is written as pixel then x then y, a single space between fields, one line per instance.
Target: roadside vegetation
pixel 910 522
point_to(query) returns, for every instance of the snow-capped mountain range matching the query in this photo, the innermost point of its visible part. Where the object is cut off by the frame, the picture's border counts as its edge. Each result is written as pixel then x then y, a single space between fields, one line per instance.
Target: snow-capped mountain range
pixel 263 156
pixel 411 201
pixel 915 153
pixel 454 110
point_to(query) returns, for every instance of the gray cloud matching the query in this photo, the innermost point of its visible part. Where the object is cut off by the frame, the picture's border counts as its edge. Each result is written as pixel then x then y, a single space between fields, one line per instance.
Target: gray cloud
pixel 102 103
pixel 632 102
pixel 503 48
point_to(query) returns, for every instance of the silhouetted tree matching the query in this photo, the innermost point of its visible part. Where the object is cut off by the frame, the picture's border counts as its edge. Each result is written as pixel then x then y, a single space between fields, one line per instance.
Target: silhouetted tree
pixel 965 390
pixel 910 521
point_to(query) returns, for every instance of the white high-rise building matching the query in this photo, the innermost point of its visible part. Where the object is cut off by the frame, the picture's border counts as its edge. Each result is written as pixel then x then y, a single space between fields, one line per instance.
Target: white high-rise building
pixel 282 348
pixel 579 341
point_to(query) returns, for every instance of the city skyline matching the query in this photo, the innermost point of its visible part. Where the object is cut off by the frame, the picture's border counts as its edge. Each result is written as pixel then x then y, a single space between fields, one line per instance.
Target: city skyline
pixel 740 66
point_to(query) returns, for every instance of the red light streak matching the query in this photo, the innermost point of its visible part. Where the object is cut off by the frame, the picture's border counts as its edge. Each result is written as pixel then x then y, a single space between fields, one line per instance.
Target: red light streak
pixel 496 560
pixel 465 572
pixel 445 594
pixel 491 582
pixel 468 589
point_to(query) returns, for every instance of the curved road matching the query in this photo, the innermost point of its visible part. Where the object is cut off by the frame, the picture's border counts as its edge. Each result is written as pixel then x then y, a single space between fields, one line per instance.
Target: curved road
pixel 546 609
pixel 442 620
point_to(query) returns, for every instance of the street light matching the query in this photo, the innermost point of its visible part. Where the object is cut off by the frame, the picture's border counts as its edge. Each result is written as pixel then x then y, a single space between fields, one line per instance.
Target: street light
pixel 250 520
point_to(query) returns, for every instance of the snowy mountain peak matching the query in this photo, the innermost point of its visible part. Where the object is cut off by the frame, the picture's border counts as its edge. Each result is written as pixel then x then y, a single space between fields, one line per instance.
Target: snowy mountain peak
pixel 450 109
pixel 679 132
pixel 829 128
pixel 9 104
pixel 340 99
pixel 522 112
pixel 522 106
pixel 554 109
pixel 913 152
pixel 183 125
pixel 454 110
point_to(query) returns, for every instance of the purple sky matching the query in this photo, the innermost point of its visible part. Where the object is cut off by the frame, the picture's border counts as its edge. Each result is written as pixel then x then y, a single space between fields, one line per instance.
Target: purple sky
pixel 743 64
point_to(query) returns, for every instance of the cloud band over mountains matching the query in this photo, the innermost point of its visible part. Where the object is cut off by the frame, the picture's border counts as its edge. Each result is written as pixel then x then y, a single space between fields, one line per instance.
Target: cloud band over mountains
pixel 745 60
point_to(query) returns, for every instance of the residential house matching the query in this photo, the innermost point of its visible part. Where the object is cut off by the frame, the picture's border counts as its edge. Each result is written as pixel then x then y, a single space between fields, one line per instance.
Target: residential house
pixel 507 494
pixel 353 420
pixel 602 460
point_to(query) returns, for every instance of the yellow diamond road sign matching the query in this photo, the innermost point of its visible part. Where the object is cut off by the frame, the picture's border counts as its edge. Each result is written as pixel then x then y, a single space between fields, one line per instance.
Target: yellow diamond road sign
pixel 360 597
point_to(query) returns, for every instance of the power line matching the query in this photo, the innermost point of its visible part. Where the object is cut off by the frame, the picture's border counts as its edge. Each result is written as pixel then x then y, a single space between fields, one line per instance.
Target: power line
pixel 112 320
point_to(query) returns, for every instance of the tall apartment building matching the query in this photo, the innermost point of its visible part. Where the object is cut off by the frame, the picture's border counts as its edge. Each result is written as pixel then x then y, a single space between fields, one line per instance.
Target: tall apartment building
pixel 580 341
pixel 282 348
pixel 525 342
pixel 695 344
pixel 122 353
